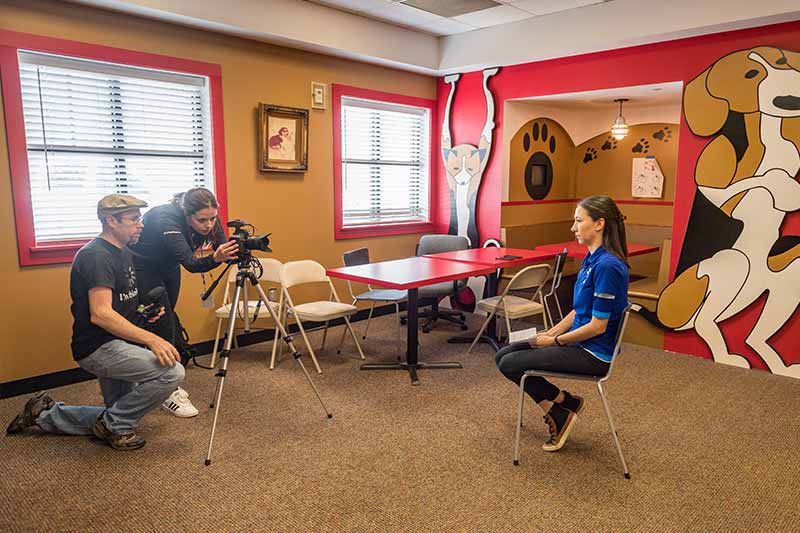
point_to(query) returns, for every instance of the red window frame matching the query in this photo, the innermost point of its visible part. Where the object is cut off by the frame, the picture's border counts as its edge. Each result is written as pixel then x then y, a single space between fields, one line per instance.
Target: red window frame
pixel 31 253
pixel 341 232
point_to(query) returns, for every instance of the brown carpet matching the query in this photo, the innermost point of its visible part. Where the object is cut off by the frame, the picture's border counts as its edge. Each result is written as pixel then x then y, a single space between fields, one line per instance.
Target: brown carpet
pixel 709 448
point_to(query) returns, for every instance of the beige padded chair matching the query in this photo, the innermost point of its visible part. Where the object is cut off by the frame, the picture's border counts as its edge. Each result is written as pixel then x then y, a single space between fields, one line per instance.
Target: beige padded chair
pixel 271 274
pixel 296 273
pixel 512 307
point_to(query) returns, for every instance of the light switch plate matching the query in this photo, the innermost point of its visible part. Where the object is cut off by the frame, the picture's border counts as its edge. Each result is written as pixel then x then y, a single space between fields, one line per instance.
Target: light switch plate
pixel 318 95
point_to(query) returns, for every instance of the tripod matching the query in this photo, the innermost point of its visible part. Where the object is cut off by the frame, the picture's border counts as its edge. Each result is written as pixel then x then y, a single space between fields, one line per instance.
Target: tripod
pixel 246 264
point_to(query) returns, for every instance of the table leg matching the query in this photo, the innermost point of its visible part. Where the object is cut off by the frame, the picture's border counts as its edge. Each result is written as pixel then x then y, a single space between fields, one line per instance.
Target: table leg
pixel 490 334
pixel 411 364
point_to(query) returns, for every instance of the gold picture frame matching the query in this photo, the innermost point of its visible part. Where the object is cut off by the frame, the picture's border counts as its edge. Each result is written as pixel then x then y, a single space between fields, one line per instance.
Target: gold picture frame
pixel 282 139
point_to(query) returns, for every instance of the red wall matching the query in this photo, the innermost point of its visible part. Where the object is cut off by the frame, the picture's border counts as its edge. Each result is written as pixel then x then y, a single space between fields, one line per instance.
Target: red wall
pixel 671 61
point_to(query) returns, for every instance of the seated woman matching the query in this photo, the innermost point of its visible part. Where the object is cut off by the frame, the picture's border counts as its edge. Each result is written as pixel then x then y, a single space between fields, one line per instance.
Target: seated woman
pixel 583 342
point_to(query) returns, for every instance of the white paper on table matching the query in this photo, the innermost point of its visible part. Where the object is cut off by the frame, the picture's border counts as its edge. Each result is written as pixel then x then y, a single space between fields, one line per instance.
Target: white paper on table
pixel 522 335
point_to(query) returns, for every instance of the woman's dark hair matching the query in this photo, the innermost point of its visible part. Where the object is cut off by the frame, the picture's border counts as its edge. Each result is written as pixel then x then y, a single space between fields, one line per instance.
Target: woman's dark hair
pixel 194 200
pixel 614 239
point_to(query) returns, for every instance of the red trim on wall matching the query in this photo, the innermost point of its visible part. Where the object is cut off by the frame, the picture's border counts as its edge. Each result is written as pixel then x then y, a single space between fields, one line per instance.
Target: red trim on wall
pixel 340 232
pixel 644 202
pixel 571 200
pixel 31 253
pixel 538 202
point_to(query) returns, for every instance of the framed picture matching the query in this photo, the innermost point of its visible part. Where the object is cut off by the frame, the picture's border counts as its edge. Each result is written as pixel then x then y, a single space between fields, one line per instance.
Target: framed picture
pixel 282 139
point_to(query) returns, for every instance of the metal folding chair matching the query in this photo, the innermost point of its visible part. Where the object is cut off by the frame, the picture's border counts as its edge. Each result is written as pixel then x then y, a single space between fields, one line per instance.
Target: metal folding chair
pixel 583 377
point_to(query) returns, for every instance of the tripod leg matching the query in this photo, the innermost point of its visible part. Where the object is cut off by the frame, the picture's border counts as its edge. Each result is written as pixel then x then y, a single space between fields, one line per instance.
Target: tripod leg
pixel 295 354
pixel 224 355
pixel 308 344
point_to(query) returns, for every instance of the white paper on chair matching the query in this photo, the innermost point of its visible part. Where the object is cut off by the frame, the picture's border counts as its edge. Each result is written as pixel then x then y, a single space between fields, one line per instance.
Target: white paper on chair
pixel 522 335
pixel 647 181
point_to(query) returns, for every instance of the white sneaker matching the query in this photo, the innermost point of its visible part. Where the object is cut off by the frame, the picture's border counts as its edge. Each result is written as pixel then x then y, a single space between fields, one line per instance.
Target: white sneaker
pixel 179 404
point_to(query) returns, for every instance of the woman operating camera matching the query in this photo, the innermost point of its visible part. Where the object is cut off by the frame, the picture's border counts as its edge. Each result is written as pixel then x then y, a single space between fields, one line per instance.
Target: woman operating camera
pixel 187 232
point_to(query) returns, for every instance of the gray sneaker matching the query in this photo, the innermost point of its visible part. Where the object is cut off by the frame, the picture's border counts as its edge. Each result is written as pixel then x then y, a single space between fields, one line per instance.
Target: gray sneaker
pixel 41 401
pixel 118 441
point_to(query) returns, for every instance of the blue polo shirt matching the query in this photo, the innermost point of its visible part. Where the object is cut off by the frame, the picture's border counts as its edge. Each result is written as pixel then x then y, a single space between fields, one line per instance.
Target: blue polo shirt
pixel 602 291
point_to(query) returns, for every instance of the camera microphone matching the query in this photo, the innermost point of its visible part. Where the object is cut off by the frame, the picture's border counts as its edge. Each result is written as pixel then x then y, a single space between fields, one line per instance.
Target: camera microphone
pixel 154 295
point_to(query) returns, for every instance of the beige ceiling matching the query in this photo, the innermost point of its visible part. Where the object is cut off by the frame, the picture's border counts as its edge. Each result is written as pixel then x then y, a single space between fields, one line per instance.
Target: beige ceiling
pixel 661 94
pixel 466 35
pixel 422 14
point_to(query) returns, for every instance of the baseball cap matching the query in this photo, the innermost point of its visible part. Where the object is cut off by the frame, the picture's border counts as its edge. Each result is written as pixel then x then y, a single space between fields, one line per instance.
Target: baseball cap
pixel 118 203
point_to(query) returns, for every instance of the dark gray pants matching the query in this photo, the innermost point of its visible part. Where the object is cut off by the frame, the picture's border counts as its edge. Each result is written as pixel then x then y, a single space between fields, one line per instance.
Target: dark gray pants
pixel 515 359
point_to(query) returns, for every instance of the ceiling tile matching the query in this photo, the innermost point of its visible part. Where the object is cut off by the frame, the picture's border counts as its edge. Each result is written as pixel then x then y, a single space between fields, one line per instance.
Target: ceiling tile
pixel 403 14
pixel 493 16
pixel 446 27
pixel 451 8
pixel 543 7
pixel 355 5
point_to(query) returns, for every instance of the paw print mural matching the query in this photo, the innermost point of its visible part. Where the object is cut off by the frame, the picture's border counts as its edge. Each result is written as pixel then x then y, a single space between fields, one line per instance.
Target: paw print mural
pixel 610 144
pixel 536 133
pixel 590 155
pixel 539 144
pixel 641 147
pixel 663 135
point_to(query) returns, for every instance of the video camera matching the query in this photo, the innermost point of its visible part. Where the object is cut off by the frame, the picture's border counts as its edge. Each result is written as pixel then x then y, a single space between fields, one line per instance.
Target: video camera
pixel 245 238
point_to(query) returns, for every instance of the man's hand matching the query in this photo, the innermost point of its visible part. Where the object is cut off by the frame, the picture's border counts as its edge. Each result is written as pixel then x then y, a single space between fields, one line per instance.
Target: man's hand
pixel 542 340
pixel 226 251
pixel 157 316
pixel 166 353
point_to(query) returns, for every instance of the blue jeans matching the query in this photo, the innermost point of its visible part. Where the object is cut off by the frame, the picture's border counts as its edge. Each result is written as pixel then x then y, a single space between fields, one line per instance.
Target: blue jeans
pixel 133 383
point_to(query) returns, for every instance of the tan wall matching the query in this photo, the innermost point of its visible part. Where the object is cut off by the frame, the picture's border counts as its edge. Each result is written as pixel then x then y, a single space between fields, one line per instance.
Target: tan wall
pixel 603 164
pixel 296 208
pixel 557 146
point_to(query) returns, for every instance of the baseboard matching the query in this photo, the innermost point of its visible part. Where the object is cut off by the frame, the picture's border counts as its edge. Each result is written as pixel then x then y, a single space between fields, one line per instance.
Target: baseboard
pixel 77 375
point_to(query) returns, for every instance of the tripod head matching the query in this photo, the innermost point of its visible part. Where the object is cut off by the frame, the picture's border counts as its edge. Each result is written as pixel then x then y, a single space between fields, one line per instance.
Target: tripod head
pixel 244 260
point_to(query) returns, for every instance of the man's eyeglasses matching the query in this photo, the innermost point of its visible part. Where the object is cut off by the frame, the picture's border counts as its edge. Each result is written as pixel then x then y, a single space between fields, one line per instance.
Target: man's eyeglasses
pixel 133 220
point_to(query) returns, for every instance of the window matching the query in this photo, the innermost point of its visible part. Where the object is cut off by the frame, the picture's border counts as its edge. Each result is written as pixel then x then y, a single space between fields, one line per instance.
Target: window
pixel 95 128
pixel 85 121
pixel 383 163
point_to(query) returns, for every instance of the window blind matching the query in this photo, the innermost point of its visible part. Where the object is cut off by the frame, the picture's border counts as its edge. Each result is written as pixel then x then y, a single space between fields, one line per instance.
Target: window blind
pixel 385 163
pixel 95 128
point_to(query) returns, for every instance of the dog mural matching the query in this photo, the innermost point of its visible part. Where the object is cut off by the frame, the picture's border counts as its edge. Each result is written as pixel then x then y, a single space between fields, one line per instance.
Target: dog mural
pixel 464 164
pixel 746 177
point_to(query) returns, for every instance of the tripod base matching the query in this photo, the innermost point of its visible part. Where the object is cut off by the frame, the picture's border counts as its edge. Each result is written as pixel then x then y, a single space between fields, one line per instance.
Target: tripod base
pixel 484 339
pixel 410 368
pixel 245 274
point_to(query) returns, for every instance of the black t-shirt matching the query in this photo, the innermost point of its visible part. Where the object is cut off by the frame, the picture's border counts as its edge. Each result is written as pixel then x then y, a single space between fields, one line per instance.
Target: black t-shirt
pixel 100 264
pixel 167 241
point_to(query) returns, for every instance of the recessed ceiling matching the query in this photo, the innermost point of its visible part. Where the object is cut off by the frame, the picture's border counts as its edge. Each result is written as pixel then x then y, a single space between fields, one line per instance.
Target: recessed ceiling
pixel 449 17
pixel 661 94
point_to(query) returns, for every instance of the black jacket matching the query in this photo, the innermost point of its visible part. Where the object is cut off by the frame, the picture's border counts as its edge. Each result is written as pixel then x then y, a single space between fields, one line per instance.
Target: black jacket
pixel 167 241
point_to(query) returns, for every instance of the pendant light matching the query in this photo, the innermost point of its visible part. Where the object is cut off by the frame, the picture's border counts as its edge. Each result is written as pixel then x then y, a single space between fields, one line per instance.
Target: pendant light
pixel 620 129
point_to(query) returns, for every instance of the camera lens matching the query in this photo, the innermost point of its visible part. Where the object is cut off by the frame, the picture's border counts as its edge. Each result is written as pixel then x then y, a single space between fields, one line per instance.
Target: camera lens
pixel 258 242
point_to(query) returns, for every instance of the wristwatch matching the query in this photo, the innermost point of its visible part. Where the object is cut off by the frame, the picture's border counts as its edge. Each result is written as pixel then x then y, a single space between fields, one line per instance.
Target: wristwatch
pixel 555 339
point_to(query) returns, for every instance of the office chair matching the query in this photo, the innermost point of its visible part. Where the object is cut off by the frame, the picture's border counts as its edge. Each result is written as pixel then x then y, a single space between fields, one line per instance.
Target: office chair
pixel 430 295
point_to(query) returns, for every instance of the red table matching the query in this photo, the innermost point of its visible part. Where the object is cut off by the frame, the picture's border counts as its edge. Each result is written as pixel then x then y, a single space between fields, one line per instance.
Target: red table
pixel 410 274
pixel 578 250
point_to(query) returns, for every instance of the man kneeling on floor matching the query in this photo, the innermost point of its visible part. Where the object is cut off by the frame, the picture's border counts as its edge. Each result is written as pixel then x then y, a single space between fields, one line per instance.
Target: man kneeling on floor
pixel 106 342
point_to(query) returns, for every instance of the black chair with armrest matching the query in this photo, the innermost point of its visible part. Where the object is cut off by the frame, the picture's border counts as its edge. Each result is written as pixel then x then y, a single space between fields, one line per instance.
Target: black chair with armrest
pixel 431 295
